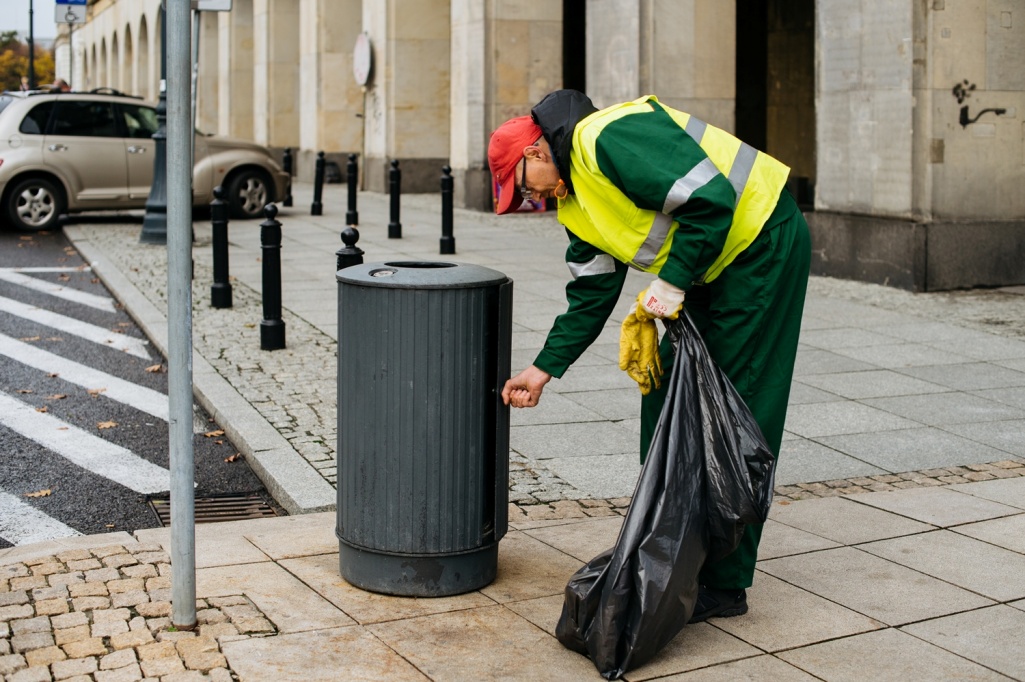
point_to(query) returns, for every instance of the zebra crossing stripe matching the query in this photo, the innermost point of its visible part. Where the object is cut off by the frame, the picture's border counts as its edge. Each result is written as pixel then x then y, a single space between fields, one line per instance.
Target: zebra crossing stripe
pixel 23 524
pixel 104 303
pixel 83 448
pixel 70 325
pixel 141 398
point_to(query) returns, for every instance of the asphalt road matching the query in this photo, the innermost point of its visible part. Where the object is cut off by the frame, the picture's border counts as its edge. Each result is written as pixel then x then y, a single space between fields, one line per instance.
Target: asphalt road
pixel 83 407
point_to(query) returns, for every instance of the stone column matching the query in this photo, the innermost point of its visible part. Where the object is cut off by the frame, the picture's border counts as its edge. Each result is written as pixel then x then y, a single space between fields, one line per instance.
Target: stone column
pixel 235 45
pixel 408 101
pixel 276 61
pixel 208 83
pixel 911 192
pixel 468 124
pixel 682 51
pixel 329 118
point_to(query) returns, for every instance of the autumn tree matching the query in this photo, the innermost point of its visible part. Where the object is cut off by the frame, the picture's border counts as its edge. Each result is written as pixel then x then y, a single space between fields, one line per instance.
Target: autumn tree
pixel 14 62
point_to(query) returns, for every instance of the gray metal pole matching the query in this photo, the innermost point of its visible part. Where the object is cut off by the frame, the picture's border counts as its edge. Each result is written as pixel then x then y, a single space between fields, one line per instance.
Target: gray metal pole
pixel 179 314
pixel 197 18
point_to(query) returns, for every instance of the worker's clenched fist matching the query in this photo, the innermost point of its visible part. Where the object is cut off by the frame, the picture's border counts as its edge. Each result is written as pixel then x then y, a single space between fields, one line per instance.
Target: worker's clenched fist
pixel 524 389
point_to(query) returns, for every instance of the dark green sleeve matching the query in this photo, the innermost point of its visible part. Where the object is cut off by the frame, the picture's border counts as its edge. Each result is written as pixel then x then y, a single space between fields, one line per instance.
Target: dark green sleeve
pixel 592 295
pixel 645 155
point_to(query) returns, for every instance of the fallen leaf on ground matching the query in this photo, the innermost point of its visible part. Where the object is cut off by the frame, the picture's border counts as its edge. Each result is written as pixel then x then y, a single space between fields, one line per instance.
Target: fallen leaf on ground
pixel 30 338
pixel 110 525
pixel 55 338
pixel 25 390
pixel 213 434
pixel 249 325
pixel 53 375
pixel 95 280
pixel 62 260
pixel 62 428
pixel 153 369
pixel 118 331
pixel 25 239
pixel 95 391
pixel 64 278
pixel 218 442
pixel 39 493
pixel 105 425
pixel 237 456
pixel 57 396
pixel 124 324
pixel 44 408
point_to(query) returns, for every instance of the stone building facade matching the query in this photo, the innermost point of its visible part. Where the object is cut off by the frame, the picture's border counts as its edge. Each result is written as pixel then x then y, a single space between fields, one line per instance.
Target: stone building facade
pixel 903 120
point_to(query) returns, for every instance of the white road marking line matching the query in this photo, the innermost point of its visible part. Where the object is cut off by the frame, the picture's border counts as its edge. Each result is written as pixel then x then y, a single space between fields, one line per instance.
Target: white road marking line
pixel 65 268
pixel 70 325
pixel 83 448
pixel 104 303
pixel 141 398
pixel 23 524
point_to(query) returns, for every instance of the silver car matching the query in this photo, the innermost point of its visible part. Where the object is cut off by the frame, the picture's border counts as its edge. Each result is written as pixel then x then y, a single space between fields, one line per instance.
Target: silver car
pixel 65 153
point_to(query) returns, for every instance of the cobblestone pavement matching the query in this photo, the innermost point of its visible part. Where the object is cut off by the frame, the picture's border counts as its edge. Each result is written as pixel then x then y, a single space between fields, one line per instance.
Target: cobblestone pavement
pixel 102 615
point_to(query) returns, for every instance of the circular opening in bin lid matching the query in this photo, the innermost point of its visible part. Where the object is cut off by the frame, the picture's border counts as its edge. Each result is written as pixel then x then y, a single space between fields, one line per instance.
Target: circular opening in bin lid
pixel 419 275
pixel 420 264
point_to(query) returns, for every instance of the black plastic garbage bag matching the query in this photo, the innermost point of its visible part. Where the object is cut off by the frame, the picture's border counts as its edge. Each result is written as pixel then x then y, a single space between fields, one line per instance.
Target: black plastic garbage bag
pixel 708 473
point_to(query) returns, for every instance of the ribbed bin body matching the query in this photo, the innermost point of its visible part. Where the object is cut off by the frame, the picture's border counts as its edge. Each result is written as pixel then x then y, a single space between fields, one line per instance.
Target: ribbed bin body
pixel 423 437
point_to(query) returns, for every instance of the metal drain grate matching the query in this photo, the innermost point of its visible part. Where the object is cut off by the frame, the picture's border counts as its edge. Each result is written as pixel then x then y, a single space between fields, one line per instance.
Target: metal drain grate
pixel 229 507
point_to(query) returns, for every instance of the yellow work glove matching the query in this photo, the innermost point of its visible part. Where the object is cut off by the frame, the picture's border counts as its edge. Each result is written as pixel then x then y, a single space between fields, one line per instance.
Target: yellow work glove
pixel 638 350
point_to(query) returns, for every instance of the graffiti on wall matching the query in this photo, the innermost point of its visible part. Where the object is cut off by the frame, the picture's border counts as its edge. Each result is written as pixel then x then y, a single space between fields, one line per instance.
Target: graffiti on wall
pixel 962 91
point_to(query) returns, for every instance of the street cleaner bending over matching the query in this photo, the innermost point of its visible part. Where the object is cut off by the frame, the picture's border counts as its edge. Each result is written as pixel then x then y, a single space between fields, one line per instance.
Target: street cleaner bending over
pixel 642 185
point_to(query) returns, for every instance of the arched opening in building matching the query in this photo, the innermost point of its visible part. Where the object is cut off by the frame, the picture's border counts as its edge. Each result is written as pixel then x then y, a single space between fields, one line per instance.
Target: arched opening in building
pixel 775 103
pixel 574 55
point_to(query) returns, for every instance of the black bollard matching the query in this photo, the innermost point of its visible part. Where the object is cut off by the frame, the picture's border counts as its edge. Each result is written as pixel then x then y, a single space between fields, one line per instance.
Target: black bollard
pixel 394 189
pixel 286 164
pixel 350 254
pixel 448 242
pixel 318 186
pixel 272 328
pixel 220 291
pixel 352 175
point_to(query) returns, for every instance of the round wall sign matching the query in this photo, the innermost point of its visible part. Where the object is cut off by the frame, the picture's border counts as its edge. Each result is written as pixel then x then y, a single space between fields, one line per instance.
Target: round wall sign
pixel 362 60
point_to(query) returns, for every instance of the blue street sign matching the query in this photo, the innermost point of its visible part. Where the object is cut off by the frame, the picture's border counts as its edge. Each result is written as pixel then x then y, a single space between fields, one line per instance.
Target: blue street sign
pixel 72 2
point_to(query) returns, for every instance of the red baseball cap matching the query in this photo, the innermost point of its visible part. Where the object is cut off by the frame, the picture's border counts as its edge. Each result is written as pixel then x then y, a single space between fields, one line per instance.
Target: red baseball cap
pixel 505 151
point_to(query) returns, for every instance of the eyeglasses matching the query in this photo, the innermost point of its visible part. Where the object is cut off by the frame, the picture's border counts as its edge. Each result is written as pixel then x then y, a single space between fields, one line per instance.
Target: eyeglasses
pixel 524 190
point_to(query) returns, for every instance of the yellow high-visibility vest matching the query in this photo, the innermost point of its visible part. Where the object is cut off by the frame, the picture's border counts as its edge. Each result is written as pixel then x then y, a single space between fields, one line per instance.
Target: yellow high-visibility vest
pixel 600 214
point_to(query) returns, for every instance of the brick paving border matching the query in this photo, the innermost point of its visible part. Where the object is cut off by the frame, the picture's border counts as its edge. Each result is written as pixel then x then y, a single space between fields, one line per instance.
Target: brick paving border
pixel 103 615
pixel 969 473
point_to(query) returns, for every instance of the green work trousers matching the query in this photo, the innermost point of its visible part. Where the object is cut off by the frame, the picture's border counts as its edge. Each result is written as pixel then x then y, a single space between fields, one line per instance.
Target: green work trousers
pixel 750 319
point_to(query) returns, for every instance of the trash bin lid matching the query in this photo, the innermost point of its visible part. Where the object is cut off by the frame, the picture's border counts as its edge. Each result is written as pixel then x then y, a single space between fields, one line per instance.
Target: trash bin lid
pixel 410 274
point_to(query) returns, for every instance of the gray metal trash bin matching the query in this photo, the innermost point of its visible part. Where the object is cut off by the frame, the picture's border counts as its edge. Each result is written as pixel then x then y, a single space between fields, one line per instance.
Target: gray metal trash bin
pixel 423 436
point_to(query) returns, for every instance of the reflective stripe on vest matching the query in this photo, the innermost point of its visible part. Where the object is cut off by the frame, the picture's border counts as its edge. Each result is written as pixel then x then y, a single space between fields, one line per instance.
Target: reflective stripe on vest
pixel 602 264
pixel 603 216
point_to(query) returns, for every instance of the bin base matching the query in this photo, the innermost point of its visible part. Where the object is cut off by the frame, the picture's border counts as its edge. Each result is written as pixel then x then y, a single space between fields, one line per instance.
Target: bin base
pixel 405 575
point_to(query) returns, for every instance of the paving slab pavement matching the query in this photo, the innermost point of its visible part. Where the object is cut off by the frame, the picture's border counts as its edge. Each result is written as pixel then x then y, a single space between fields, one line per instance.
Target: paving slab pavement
pixel 881 586
pixel 905 431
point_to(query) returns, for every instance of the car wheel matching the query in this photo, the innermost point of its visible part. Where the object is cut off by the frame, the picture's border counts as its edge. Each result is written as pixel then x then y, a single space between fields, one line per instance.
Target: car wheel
pixel 248 192
pixel 35 204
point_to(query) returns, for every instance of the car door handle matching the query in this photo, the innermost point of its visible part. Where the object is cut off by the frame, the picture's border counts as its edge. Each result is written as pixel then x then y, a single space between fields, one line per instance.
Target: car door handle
pixel 136 150
pixel 57 148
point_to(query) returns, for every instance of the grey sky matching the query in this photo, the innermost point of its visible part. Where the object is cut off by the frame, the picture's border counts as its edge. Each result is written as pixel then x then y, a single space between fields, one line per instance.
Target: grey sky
pixel 14 17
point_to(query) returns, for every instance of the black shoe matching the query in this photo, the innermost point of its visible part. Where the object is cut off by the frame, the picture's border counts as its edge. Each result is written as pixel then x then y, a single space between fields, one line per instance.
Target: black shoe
pixel 719 604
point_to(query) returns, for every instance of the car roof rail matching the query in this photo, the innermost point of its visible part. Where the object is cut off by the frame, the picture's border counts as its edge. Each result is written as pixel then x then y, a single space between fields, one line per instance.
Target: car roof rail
pixel 113 92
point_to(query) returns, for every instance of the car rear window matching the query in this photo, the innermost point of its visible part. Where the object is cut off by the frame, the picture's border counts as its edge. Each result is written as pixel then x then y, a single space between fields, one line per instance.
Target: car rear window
pixel 85 119
pixel 4 101
pixel 34 122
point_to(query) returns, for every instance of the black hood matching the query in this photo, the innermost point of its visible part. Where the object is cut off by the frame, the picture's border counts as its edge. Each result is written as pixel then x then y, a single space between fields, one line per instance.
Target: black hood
pixel 558 114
